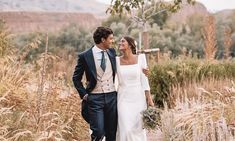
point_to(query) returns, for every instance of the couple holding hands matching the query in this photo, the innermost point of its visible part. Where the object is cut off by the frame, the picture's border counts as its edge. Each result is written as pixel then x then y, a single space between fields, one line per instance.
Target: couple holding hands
pixel 113 112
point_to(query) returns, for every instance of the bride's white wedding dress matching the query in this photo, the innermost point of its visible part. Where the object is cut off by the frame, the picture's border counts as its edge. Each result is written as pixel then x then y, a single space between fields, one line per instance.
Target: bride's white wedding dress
pixel 132 83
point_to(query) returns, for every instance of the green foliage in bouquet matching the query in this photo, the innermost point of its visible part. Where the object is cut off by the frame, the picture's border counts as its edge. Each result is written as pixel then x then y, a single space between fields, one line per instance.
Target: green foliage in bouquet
pixel 151 118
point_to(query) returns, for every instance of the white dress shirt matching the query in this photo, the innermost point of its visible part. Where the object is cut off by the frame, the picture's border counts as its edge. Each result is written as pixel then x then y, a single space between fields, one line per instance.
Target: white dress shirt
pixel 97 54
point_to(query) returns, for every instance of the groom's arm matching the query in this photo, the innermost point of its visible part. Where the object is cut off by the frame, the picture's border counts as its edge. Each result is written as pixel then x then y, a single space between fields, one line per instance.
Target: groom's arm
pixel 77 76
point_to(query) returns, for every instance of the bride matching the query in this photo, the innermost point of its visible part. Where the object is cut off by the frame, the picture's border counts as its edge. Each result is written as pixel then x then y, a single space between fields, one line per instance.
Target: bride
pixel 133 92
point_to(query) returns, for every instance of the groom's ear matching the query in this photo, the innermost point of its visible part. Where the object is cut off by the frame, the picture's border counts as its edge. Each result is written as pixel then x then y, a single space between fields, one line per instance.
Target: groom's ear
pixel 102 40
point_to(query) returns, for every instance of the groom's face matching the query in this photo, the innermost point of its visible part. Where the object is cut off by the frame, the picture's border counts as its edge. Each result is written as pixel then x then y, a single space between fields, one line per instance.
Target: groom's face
pixel 108 42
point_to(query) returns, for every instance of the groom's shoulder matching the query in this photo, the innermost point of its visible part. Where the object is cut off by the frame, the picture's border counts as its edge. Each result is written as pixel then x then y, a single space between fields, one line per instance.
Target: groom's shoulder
pixel 85 52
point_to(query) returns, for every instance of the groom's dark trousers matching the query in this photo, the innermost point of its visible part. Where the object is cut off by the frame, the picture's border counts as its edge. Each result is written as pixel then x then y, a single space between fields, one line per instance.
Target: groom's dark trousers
pixel 103 115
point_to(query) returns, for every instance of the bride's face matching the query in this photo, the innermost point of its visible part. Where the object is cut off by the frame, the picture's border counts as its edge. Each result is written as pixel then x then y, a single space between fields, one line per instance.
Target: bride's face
pixel 123 45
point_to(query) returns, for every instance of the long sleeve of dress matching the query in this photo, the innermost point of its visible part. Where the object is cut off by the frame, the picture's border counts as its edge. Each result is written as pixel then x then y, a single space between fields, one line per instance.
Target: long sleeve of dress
pixel 116 82
pixel 144 79
pixel 117 77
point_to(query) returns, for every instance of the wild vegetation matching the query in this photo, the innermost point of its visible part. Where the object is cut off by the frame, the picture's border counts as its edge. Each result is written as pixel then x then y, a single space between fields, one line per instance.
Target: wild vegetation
pixel 192 84
pixel 36 99
pixel 200 113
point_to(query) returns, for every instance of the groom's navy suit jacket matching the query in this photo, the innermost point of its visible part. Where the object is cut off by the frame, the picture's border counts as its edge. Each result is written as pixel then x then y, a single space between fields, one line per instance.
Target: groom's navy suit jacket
pixel 86 64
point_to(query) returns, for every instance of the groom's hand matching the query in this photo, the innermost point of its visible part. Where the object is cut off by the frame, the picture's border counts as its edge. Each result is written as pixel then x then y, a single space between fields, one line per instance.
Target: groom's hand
pixel 85 97
pixel 146 71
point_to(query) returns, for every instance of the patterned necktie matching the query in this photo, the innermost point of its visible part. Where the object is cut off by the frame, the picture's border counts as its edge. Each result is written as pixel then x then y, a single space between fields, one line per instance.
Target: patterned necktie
pixel 103 63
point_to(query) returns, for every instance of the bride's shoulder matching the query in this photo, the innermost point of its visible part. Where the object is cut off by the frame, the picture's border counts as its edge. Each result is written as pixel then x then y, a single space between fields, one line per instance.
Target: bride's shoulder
pixel 117 57
pixel 141 56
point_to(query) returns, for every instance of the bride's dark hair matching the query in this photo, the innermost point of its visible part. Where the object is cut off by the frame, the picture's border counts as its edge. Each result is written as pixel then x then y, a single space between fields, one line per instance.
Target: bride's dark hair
pixel 131 43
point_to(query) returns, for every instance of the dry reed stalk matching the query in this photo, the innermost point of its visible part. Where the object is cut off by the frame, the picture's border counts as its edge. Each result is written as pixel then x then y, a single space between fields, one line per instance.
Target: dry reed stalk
pixel 210 38
pixel 40 92
pixel 227 42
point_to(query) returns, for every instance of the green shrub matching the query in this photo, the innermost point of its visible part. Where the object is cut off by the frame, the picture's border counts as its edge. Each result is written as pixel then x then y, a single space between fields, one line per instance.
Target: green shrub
pixel 180 73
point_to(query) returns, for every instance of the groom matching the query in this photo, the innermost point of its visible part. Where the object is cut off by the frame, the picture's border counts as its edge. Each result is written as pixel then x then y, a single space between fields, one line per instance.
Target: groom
pixel 99 105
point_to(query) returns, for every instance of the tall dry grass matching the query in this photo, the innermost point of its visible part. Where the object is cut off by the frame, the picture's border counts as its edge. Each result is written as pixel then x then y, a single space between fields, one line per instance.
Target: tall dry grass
pixel 20 84
pixel 201 114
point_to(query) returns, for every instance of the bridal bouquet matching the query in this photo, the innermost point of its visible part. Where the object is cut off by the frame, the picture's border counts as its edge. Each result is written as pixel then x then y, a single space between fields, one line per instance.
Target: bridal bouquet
pixel 151 118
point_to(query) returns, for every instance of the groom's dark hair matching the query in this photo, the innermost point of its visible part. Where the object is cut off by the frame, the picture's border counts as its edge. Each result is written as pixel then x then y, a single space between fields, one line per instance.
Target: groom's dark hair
pixel 101 32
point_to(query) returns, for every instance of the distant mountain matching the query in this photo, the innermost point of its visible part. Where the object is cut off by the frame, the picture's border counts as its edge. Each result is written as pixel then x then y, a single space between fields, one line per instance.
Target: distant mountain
pixel 81 6
pixel 224 14
pixel 199 9
pixel 21 22
pixel 187 10
pixel 51 15
pixel 227 16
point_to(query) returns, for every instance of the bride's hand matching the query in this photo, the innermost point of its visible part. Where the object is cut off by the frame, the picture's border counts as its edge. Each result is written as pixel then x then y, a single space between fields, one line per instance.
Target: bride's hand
pixel 150 102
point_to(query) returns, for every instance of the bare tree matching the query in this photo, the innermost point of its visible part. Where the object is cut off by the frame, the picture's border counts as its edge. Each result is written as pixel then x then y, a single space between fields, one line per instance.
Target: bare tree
pixel 141 11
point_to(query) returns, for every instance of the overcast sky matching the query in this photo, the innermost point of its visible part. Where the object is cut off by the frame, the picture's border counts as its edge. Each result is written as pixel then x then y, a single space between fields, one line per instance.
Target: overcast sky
pixel 211 5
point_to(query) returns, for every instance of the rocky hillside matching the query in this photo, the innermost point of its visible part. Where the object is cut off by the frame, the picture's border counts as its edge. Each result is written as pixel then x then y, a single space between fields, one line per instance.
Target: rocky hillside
pixel 18 22
pixel 188 10
pixel 225 14
pixel 52 15
pixel 81 6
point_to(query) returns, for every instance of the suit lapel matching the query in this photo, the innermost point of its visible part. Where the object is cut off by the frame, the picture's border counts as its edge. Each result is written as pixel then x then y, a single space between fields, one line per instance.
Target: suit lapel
pixel 91 63
pixel 112 60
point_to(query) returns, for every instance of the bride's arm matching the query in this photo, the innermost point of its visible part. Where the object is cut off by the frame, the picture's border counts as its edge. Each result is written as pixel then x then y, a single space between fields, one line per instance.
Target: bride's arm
pixel 145 82
pixel 116 83
pixel 149 98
